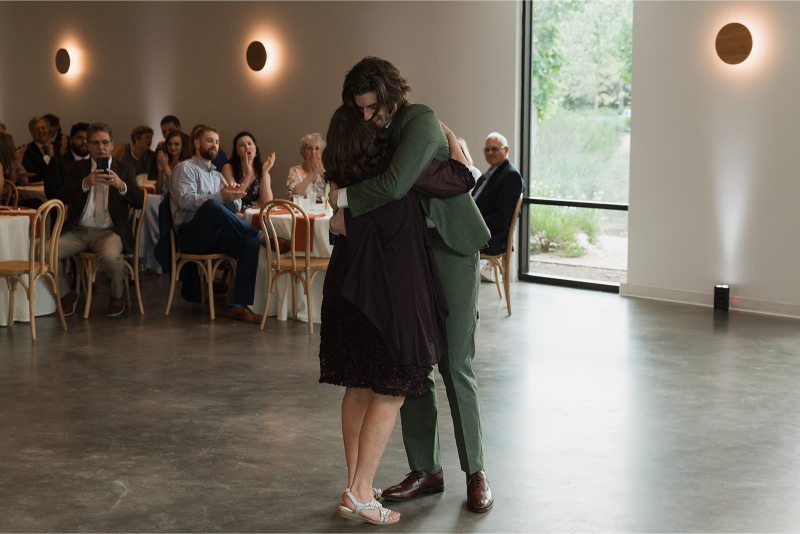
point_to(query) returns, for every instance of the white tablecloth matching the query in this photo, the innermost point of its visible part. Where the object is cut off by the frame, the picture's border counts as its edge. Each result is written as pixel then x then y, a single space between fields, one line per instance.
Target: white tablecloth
pixel 14 246
pixel 281 301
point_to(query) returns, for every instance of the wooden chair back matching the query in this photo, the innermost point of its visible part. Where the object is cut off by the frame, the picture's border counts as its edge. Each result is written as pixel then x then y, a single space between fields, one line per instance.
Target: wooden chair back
pixel 10 194
pixel 512 227
pixel 39 228
pixel 268 227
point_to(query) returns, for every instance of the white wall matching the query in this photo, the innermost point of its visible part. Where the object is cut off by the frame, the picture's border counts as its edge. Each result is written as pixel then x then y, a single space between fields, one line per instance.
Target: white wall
pixel 714 156
pixel 143 60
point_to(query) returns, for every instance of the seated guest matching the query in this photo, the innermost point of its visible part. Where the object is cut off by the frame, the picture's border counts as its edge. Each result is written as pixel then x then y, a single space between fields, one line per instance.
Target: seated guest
pixel 168 124
pixel 97 203
pixel 497 191
pixel 40 154
pixel 221 158
pixel 310 172
pixel 58 140
pixel 245 168
pixel 137 153
pixel 203 214
pixel 78 149
pixel 176 149
pixel 11 160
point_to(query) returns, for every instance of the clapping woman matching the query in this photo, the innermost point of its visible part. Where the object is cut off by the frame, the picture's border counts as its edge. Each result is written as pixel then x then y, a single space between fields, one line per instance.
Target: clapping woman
pixel 308 176
pixel 246 169
pixel 174 150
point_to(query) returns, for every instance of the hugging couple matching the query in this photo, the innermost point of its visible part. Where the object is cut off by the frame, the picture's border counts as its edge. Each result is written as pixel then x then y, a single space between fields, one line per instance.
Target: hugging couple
pixel 401 290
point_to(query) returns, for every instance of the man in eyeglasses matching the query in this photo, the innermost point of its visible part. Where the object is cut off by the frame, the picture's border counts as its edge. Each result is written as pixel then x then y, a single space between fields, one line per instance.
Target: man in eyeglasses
pixel 97 198
pixel 497 191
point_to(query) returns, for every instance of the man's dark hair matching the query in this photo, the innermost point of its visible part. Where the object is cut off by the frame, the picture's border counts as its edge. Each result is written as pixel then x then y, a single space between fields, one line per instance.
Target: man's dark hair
pixel 80 127
pixel 378 75
pixel 99 127
pixel 353 146
pixel 52 120
pixel 170 118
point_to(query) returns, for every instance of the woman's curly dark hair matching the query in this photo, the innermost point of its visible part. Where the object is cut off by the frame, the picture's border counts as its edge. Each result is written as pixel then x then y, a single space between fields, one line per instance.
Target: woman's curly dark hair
pixel 353 146
pixel 236 161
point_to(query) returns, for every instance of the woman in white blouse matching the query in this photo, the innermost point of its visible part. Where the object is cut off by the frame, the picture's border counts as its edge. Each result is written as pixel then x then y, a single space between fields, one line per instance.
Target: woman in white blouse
pixel 310 173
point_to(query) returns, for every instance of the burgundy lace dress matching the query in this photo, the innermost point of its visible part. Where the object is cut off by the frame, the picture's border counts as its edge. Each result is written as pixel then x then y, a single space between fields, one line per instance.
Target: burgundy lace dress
pixel 383 307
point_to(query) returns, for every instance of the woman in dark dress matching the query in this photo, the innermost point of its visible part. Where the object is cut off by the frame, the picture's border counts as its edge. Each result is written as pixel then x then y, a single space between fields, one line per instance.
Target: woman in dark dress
pixel 383 307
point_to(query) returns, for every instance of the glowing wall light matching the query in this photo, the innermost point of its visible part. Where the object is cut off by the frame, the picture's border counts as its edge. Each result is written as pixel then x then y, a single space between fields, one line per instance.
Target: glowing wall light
pixel 256 56
pixel 69 61
pixel 263 49
pixel 734 43
pixel 62 61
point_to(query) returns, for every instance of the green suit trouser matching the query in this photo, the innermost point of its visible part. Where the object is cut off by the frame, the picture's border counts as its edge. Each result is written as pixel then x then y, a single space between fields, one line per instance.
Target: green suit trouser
pixel 461 280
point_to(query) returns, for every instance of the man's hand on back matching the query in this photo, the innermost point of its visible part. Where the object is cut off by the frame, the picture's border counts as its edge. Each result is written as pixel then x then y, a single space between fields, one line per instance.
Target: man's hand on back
pixel 337 223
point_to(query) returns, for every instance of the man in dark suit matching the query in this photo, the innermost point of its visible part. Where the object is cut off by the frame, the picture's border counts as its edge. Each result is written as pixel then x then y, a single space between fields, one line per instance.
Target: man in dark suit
pixel 78 150
pixel 40 155
pixel 78 145
pixel 497 191
pixel 97 215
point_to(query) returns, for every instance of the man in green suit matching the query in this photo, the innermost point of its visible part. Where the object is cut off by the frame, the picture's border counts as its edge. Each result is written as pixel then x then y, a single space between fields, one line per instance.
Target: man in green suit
pixel 375 89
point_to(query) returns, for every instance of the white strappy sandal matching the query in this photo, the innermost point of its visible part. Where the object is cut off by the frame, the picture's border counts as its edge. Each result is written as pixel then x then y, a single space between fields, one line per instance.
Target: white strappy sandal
pixel 347 513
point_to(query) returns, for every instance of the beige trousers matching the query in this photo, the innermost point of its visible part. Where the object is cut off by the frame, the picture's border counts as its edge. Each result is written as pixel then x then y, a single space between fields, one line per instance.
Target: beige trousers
pixel 105 243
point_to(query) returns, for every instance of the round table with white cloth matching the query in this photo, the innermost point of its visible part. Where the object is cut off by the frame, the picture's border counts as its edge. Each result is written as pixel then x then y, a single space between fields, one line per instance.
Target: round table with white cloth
pixel 14 246
pixel 281 301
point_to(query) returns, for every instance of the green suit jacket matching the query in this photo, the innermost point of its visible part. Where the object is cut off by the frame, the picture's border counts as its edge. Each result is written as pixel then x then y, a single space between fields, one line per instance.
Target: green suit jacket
pixel 419 139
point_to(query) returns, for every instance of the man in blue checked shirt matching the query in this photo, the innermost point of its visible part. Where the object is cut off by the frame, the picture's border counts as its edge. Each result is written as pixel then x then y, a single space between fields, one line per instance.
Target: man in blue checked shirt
pixel 203 213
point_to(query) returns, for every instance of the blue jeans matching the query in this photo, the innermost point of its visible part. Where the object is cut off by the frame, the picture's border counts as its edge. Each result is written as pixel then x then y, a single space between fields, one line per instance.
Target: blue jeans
pixel 215 229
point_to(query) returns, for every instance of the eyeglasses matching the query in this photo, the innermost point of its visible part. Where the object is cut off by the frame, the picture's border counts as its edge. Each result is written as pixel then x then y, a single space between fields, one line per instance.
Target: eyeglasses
pixel 493 149
pixel 98 143
pixel 79 138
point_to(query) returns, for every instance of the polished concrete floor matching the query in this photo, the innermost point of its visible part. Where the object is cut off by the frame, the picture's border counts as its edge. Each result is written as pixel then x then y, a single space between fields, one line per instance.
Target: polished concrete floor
pixel 599 414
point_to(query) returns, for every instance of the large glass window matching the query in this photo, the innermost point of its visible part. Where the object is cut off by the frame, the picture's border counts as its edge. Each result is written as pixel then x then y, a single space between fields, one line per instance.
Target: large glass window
pixel 579 138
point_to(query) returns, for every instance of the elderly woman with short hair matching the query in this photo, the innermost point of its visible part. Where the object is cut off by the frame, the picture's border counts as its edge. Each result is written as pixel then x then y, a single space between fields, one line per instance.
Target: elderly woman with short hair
pixel 309 175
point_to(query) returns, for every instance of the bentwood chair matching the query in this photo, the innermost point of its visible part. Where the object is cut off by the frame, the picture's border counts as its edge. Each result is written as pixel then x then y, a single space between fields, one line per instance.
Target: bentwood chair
pixel 502 262
pixel 90 264
pixel 207 266
pixel 46 267
pixel 303 269
pixel 10 194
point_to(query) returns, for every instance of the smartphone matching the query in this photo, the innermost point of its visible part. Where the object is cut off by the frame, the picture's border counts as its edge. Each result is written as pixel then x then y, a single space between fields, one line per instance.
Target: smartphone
pixel 102 164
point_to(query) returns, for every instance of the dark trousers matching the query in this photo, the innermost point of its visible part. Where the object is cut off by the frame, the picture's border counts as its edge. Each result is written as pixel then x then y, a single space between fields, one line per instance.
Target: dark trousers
pixel 214 229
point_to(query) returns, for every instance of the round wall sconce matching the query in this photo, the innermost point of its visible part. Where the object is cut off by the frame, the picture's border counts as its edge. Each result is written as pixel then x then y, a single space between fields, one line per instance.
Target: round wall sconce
pixel 62 61
pixel 256 56
pixel 734 43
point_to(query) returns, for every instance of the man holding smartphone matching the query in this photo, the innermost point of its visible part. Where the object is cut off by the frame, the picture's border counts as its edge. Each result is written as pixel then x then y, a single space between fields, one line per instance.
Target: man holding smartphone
pixel 98 192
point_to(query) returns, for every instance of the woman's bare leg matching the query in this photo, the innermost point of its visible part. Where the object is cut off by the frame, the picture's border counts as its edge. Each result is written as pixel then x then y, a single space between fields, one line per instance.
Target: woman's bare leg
pixel 376 428
pixel 354 406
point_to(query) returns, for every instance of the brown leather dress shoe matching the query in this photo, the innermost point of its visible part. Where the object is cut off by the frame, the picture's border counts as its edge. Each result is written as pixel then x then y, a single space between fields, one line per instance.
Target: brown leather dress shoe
pixel 479 494
pixel 68 303
pixel 115 307
pixel 244 314
pixel 416 483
